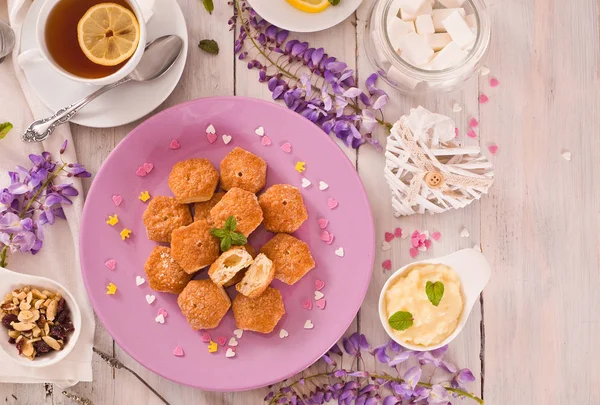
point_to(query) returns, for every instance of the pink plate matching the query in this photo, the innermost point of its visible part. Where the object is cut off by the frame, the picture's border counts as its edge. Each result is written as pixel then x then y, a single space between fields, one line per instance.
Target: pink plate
pixel 259 359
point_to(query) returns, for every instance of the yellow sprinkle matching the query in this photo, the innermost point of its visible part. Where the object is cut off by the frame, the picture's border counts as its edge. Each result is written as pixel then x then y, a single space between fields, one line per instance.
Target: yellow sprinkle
pixel 125 234
pixel 212 347
pixel 300 167
pixel 145 196
pixel 111 289
pixel 112 220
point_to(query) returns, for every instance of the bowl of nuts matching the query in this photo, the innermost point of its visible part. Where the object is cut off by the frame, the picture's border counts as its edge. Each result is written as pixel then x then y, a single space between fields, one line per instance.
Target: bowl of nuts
pixel 41 319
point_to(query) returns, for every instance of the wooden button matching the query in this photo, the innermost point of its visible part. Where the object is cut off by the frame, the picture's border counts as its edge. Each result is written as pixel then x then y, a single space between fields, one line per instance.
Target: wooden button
pixel 434 179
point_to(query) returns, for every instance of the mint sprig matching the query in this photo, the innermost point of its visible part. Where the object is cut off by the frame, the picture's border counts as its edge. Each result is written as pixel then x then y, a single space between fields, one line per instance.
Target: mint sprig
pixel 228 235
pixel 401 320
pixel 5 128
pixel 435 292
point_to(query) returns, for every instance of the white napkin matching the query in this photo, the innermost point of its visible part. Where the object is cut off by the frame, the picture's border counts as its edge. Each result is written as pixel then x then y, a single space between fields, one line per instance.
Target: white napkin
pixel 59 257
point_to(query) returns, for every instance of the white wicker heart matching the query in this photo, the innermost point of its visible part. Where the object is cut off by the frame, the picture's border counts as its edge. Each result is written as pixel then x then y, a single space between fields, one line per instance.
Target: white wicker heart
pixel 427 170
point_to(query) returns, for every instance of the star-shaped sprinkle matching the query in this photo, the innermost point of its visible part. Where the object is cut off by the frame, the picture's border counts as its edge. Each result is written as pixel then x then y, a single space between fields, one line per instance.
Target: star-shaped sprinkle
pixel 144 196
pixel 300 167
pixel 113 220
pixel 212 347
pixel 125 233
pixel 111 289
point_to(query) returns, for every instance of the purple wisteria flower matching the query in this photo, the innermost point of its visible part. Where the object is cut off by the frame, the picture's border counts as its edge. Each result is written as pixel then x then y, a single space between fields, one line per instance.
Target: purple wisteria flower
pixel 33 200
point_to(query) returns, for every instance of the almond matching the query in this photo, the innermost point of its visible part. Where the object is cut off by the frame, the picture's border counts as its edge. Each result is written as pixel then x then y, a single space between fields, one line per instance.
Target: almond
pixel 51 311
pixel 23 327
pixel 50 341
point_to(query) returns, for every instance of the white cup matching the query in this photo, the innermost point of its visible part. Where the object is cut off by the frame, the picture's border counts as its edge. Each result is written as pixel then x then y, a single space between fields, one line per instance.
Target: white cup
pixel 118 75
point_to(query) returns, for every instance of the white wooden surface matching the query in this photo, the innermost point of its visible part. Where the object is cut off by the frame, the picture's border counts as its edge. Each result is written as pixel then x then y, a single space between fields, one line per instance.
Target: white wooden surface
pixel 533 337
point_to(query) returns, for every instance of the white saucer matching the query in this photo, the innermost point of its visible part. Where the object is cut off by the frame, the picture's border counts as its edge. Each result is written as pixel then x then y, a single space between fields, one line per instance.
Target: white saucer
pixel 283 15
pixel 122 105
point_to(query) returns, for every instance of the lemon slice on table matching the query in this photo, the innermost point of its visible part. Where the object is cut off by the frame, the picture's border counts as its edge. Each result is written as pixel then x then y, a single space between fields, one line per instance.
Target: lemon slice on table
pixel 108 34
pixel 310 6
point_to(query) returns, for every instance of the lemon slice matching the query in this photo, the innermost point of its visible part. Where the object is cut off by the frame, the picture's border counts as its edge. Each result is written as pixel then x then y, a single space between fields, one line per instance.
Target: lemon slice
pixel 108 34
pixel 310 6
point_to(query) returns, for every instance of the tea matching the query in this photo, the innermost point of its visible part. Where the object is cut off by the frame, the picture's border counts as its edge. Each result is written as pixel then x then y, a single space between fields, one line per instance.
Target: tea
pixel 62 43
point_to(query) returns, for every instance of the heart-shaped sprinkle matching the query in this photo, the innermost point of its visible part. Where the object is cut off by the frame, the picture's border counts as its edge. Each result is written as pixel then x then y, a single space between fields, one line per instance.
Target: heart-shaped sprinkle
pixel 422 248
pixel 148 167
pixel 212 137
pixel 456 132
pixel 141 172
pixel 174 145
pixel 456 107
pixel 340 252
pixel 222 340
pixel 389 237
pixel 307 304
pixel 566 155
pixel 485 71
pixel 483 99
pixel 319 284
pixel 332 203
pixel 318 295
pixel 413 252
pixel 464 233
pixel 233 342
pixel 210 129
pixel 150 298
pixel 265 141
pixel 160 319
pixel 205 337
pixel 139 281
pixel 436 236
pixel 472 134
pixel 493 149
pixel 325 236
pixel 321 303
pixel 308 324
pixel 283 334
pixel 387 264
pixel 398 232
pixel 111 264
pixel 494 82
pixel 428 243
pixel 323 186
pixel 117 199
pixel 260 131
pixel 385 246
pixel 178 351
pixel 163 312
pixel 305 182
pixel 230 353
pixel 477 247
pixel 322 223
pixel 226 139
pixel 286 147
pixel 330 240
pixel 473 123
pixel 238 333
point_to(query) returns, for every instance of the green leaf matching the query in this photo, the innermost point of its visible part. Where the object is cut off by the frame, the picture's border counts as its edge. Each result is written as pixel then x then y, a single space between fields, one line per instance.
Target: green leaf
pixel 218 233
pixel 210 46
pixel 238 239
pixel 5 128
pixel 334 2
pixel 230 224
pixel 401 320
pixel 208 5
pixel 435 292
pixel 226 243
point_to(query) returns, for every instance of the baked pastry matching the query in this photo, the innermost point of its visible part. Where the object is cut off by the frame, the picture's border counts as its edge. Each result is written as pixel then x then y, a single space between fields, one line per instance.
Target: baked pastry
pixel 240 274
pixel 243 169
pixel 241 204
pixel 257 278
pixel 163 272
pixel 290 256
pixel 283 208
pixel 202 209
pixel 163 215
pixel 228 265
pixel 260 314
pixel 193 247
pixel 204 304
pixel 193 180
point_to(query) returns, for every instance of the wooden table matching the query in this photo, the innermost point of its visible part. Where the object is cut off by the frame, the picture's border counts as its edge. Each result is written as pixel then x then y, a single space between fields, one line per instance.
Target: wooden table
pixel 530 338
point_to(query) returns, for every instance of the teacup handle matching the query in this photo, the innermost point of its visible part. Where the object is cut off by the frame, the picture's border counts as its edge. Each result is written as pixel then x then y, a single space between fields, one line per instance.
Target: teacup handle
pixel 30 55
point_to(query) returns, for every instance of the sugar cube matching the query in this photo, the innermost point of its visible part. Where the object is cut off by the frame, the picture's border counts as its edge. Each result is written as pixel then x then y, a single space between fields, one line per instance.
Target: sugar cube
pixel 424 25
pixel 450 55
pixel 427 8
pixel 401 78
pixel 412 6
pixel 471 22
pixel 415 49
pixel 440 14
pixel 406 16
pixel 459 30
pixel 394 11
pixel 452 3
pixel 398 29
pixel 438 41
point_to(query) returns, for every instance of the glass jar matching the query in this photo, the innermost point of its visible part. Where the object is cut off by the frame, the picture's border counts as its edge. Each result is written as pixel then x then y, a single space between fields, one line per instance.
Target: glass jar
pixel 410 79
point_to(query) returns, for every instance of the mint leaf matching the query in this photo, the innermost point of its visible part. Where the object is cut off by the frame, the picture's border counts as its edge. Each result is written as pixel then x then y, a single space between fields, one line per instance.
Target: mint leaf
pixel 208 5
pixel 238 239
pixel 401 320
pixel 230 224
pixel 226 243
pixel 5 128
pixel 218 233
pixel 435 292
pixel 210 46
pixel 334 2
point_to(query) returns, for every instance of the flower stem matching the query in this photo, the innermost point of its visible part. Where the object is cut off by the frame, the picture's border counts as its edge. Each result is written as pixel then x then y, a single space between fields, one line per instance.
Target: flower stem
pixel 3 256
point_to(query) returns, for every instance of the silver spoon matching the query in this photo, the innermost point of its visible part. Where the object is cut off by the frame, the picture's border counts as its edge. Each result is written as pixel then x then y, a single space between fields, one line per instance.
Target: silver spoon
pixel 158 58
pixel 7 40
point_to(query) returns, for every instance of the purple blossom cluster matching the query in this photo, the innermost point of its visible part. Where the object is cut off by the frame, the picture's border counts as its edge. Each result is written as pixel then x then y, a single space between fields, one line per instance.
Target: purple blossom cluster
pixel 361 387
pixel 33 200
pixel 308 80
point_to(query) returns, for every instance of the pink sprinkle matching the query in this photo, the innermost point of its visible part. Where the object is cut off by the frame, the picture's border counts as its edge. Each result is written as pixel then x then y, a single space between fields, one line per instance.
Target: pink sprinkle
pixel 436 236
pixel 141 172
pixel 178 351
pixel 387 264
pixel 456 132
pixel 321 303
pixel 325 236
pixel 330 240
pixel 389 236
pixel 332 203
pixel 163 312
pixel 493 149
pixel 205 337
pixel 473 123
pixel 286 147
pixel 117 199
pixel 222 340
pixel 148 167
pixel 427 243
pixel 111 264
pixel 319 284
pixel 415 234
pixel 174 145
pixel 322 223
pixel 265 141
pixel 307 304
pixel 398 232
pixel 483 99
pixel 494 82
pixel 472 134
pixel 212 138
pixel 413 252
